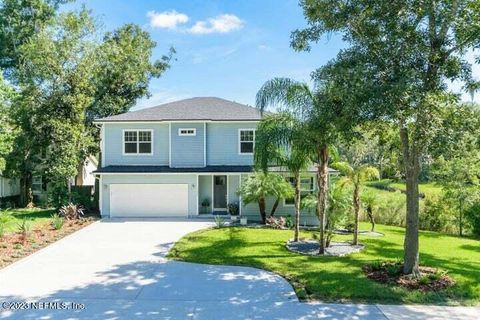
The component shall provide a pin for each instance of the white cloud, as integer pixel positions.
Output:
(166, 19)
(221, 24)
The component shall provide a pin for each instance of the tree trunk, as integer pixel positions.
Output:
(356, 207)
(262, 206)
(275, 206)
(297, 206)
(26, 197)
(460, 219)
(322, 181)
(371, 217)
(412, 168)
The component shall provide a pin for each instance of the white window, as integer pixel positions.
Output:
(137, 142)
(246, 143)
(187, 132)
(306, 187)
(39, 184)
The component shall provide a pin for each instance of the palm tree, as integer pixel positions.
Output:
(311, 107)
(279, 141)
(369, 202)
(259, 185)
(356, 175)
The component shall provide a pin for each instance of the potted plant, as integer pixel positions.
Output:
(243, 221)
(233, 209)
(205, 205)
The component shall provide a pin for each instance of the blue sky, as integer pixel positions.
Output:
(224, 48)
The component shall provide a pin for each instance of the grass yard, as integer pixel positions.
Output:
(13, 217)
(340, 278)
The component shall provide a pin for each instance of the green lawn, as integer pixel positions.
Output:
(13, 217)
(340, 278)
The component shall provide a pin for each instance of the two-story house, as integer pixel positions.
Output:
(169, 160)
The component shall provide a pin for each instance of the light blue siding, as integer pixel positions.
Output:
(187, 151)
(233, 185)
(114, 145)
(189, 179)
(222, 144)
(251, 211)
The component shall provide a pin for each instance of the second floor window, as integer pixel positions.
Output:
(246, 141)
(137, 142)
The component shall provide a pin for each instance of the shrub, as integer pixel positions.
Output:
(233, 208)
(57, 222)
(437, 215)
(71, 211)
(276, 223)
(25, 227)
(2, 230)
(219, 222)
(58, 195)
(472, 215)
(82, 195)
(289, 222)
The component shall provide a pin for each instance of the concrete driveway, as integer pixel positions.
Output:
(116, 269)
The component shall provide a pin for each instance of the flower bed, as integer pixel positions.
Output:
(430, 279)
(14, 246)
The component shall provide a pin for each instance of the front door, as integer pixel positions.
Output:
(219, 192)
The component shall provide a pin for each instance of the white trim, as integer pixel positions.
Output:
(197, 196)
(173, 173)
(239, 142)
(169, 144)
(227, 193)
(138, 142)
(240, 196)
(176, 121)
(100, 194)
(187, 134)
(102, 144)
(204, 144)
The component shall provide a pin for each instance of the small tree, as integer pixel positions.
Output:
(316, 108)
(369, 202)
(280, 141)
(338, 206)
(356, 176)
(259, 185)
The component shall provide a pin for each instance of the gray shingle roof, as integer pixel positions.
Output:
(200, 108)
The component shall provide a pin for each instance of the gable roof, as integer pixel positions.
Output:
(199, 108)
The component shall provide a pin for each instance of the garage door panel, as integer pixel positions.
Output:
(148, 200)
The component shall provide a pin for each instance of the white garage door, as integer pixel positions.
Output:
(148, 200)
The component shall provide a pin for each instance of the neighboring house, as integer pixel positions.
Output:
(9, 187)
(166, 160)
(85, 177)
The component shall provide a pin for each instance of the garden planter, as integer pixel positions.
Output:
(243, 221)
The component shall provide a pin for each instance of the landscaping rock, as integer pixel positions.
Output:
(311, 247)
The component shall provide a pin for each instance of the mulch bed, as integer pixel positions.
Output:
(311, 247)
(14, 246)
(431, 279)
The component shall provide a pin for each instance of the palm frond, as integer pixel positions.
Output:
(344, 167)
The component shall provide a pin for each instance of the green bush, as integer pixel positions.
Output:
(25, 227)
(219, 222)
(472, 215)
(58, 195)
(83, 196)
(57, 222)
(437, 215)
